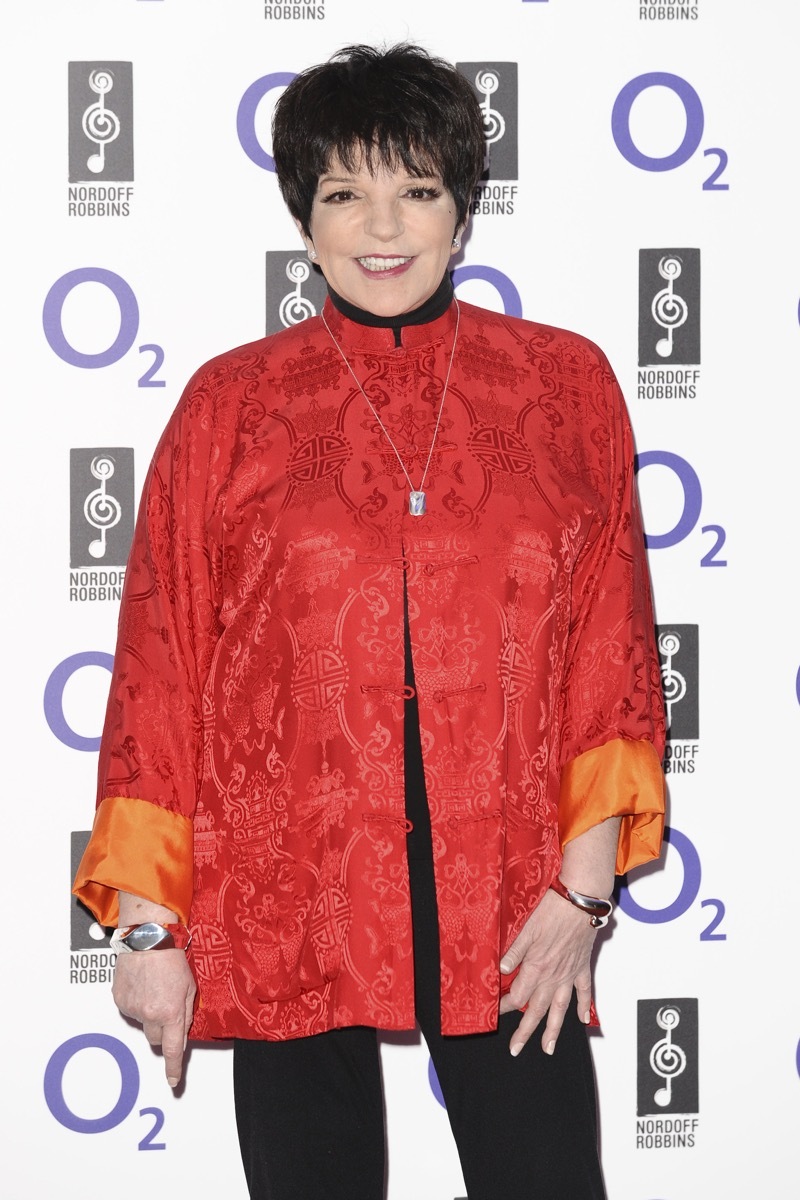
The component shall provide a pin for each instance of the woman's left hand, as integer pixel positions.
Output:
(553, 951)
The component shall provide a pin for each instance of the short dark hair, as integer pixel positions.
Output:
(395, 106)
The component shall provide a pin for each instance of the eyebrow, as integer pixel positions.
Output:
(351, 179)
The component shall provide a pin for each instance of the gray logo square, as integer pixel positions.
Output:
(679, 651)
(496, 87)
(669, 307)
(667, 1074)
(101, 506)
(295, 289)
(100, 122)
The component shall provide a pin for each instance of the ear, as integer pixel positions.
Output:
(308, 242)
(458, 236)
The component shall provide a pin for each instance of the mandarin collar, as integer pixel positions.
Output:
(354, 334)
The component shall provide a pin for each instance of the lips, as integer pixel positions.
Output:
(382, 264)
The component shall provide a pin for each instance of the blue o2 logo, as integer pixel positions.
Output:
(692, 504)
(687, 894)
(246, 116)
(695, 124)
(54, 697)
(512, 302)
(119, 292)
(56, 1101)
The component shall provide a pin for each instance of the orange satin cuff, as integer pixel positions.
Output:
(620, 779)
(139, 848)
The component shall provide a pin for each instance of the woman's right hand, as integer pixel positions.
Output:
(155, 987)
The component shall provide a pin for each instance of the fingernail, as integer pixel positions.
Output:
(587, 1016)
(550, 1048)
(172, 1081)
(505, 965)
(516, 1049)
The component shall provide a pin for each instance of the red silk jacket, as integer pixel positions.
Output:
(251, 772)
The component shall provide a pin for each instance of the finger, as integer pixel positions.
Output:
(555, 1019)
(583, 991)
(172, 1047)
(516, 951)
(522, 1034)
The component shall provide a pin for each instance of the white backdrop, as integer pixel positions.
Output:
(714, 929)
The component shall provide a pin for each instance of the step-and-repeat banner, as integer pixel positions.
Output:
(643, 190)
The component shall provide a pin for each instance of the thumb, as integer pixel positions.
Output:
(514, 954)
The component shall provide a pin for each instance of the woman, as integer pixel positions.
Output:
(385, 712)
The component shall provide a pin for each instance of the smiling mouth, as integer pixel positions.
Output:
(382, 264)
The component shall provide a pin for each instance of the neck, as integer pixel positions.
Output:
(432, 308)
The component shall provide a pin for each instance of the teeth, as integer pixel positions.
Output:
(382, 264)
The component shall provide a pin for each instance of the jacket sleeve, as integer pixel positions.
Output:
(151, 756)
(612, 712)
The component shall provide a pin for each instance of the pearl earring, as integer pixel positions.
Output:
(312, 254)
(456, 243)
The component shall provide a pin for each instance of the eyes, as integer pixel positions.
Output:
(418, 192)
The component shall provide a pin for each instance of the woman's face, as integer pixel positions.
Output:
(383, 241)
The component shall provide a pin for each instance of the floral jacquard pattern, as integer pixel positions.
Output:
(258, 691)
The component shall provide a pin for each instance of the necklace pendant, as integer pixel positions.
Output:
(416, 504)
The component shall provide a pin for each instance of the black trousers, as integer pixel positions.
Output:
(310, 1112)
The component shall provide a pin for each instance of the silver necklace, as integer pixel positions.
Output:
(417, 505)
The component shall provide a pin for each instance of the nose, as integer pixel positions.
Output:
(384, 220)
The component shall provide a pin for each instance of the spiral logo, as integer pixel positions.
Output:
(672, 681)
(667, 1059)
(669, 644)
(494, 126)
(100, 124)
(669, 309)
(295, 307)
(101, 82)
(668, 1017)
(101, 510)
(487, 82)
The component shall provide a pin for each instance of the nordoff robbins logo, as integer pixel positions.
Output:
(667, 1076)
(495, 85)
(669, 307)
(101, 506)
(295, 289)
(100, 121)
(678, 648)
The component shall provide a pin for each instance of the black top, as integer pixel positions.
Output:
(435, 306)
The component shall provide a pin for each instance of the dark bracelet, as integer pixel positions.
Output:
(597, 910)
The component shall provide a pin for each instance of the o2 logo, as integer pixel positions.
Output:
(54, 697)
(512, 302)
(695, 123)
(690, 512)
(122, 293)
(688, 893)
(128, 1090)
(246, 117)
